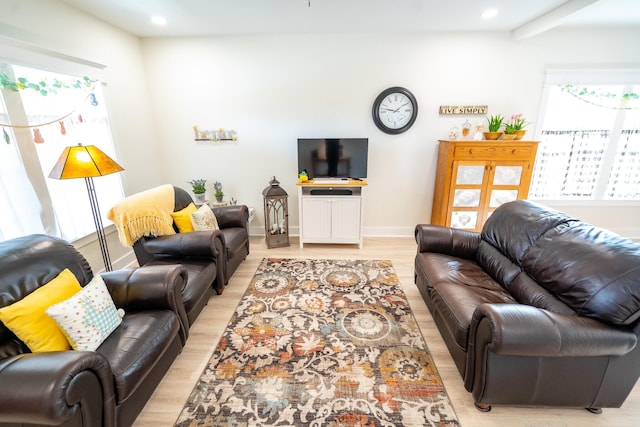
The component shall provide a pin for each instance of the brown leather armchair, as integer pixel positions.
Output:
(210, 257)
(538, 309)
(109, 386)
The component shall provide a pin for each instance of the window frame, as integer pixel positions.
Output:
(20, 54)
(586, 75)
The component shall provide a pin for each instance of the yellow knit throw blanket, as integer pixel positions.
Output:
(144, 214)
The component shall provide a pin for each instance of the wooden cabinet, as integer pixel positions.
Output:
(473, 178)
(331, 213)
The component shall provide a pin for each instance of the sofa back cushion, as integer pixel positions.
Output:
(499, 266)
(26, 264)
(527, 291)
(590, 271)
(595, 272)
(515, 226)
(182, 199)
(508, 235)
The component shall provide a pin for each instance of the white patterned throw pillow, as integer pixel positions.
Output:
(88, 317)
(204, 219)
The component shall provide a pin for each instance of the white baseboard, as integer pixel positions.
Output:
(630, 233)
(368, 231)
(126, 261)
(388, 231)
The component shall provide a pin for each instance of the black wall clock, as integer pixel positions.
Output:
(395, 110)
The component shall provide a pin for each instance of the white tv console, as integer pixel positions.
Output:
(331, 213)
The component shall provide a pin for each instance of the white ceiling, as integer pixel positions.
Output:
(215, 17)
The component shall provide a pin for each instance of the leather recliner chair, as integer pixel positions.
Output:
(107, 387)
(210, 257)
(538, 309)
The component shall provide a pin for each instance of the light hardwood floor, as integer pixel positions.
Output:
(165, 405)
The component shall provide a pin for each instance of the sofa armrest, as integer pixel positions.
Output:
(54, 387)
(198, 244)
(522, 330)
(153, 287)
(232, 216)
(447, 240)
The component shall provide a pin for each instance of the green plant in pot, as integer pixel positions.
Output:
(217, 187)
(495, 123)
(509, 129)
(198, 188)
(516, 125)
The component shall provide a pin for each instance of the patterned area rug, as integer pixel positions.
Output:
(321, 343)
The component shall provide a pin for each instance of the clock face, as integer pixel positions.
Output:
(395, 110)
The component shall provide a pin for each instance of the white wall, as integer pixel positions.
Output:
(274, 89)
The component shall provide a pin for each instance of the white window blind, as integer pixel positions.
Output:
(590, 137)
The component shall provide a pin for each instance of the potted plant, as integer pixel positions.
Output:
(517, 123)
(217, 187)
(509, 130)
(199, 189)
(495, 123)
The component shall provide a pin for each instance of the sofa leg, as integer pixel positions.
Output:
(482, 407)
(594, 410)
(219, 291)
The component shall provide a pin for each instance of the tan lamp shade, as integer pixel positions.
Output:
(83, 162)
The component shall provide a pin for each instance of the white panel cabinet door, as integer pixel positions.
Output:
(345, 214)
(316, 219)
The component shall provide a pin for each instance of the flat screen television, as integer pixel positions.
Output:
(333, 157)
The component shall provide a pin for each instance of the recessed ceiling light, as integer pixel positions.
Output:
(489, 13)
(158, 20)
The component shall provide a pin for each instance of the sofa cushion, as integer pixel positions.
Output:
(136, 345)
(201, 274)
(593, 271)
(515, 226)
(44, 258)
(182, 218)
(28, 320)
(88, 317)
(181, 198)
(461, 286)
(439, 268)
(500, 267)
(526, 291)
(204, 219)
(234, 239)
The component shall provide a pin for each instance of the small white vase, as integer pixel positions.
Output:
(199, 197)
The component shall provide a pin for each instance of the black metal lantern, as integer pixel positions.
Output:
(276, 215)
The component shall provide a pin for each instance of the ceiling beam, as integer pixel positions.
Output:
(550, 19)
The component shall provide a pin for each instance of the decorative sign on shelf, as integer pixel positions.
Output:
(467, 110)
(214, 135)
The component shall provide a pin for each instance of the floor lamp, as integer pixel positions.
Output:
(86, 162)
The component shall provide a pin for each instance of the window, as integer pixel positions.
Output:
(47, 113)
(589, 140)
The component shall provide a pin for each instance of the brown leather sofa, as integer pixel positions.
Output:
(538, 309)
(109, 386)
(226, 248)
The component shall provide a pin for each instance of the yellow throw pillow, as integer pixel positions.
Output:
(183, 218)
(29, 322)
